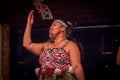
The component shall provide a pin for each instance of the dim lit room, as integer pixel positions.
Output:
(93, 39)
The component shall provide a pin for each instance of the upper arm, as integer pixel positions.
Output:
(75, 57)
(74, 53)
(36, 48)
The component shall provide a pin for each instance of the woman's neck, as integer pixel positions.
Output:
(59, 39)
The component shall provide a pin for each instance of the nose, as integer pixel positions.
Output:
(51, 27)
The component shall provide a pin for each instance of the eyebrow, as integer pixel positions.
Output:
(55, 23)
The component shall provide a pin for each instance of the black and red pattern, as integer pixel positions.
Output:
(55, 58)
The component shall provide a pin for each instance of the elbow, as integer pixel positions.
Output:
(26, 45)
(76, 67)
(78, 71)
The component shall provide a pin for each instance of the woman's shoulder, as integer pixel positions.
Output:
(47, 44)
(72, 43)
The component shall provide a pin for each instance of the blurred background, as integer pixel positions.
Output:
(96, 29)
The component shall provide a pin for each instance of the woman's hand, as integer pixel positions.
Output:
(30, 19)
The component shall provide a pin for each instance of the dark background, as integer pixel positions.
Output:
(96, 30)
(80, 12)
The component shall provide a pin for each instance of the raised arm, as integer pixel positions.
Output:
(35, 48)
(75, 57)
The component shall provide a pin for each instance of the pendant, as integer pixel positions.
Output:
(51, 50)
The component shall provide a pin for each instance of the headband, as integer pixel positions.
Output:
(61, 22)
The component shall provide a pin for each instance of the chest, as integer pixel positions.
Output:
(56, 57)
(57, 53)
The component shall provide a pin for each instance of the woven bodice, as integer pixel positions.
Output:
(55, 58)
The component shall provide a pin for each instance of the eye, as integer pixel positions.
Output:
(54, 24)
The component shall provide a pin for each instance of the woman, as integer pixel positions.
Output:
(60, 58)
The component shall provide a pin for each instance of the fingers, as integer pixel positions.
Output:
(30, 17)
(31, 14)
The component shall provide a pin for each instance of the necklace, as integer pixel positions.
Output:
(56, 44)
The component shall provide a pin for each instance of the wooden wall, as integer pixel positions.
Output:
(0, 52)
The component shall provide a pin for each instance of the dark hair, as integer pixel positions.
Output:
(69, 29)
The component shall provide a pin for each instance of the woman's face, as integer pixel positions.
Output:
(54, 29)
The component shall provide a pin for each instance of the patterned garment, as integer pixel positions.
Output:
(56, 59)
